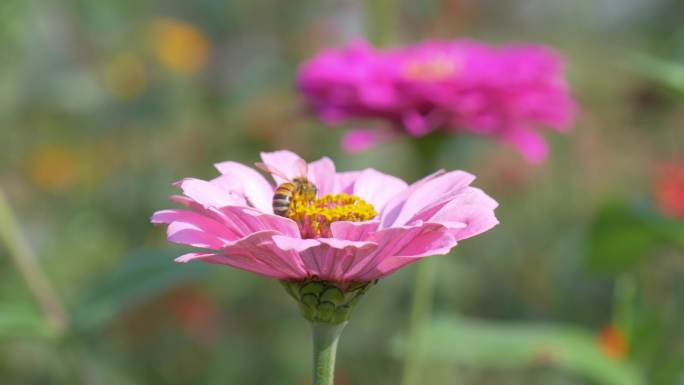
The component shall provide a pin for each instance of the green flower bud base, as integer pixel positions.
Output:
(324, 301)
(328, 307)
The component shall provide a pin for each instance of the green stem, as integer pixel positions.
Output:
(421, 309)
(427, 149)
(381, 20)
(325, 338)
(624, 300)
(28, 266)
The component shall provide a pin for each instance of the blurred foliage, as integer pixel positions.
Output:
(103, 104)
(665, 73)
(621, 236)
(487, 344)
(145, 275)
(21, 321)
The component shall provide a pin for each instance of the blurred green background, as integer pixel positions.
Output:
(104, 103)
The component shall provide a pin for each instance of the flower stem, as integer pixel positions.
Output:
(381, 21)
(30, 269)
(325, 338)
(427, 150)
(421, 309)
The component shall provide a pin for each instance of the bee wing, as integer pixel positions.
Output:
(266, 168)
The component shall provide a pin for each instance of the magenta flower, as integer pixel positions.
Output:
(362, 226)
(458, 86)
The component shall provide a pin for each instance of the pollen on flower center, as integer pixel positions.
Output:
(430, 69)
(314, 217)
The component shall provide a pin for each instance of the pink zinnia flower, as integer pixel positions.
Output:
(454, 86)
(360, 227)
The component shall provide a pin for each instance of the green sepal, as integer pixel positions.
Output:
(325, 301)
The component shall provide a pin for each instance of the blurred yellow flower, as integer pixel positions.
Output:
(179, 46)
(125, 76)
(53, 167)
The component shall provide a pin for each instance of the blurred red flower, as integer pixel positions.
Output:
(196, 312)
(669, 189)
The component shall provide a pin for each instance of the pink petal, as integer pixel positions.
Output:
(299, 245)
(416, 124)
(359, 140)
(254, 187)
(530, 143)
(422, 195)
(345, 181)
(209, 194)
(187, 202)
(327, 258)
(185, 258)
(414, 242)
(353, 231)
(196, 220)
(286, 162)
(377, 188)
(236, 262)
(185, 233)
(322, 174)
(245, 221)
(473, 208)
(392, 264)
(259, 254)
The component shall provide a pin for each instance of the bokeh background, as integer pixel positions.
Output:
(104, 103)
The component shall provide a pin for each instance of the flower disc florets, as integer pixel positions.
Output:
(315, 216)
(435, 68)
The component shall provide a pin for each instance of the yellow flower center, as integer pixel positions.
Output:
(431, 69)
(315, 216)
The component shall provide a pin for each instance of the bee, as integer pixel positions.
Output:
(298, 186)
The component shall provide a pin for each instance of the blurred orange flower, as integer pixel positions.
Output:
(613, 342)
(125, 76)
(179, 46)
(669, 189)
(196, 312)
(53, 167)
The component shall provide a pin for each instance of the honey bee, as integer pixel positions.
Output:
(299, 187)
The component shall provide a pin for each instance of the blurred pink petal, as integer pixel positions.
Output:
(529, 143)
(360, 140)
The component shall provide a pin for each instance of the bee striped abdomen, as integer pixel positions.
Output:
(282, 198)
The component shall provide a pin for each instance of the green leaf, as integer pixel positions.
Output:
(22, 321)
(502, 345)
(145, 274)
(666, 73)
(619, 238)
